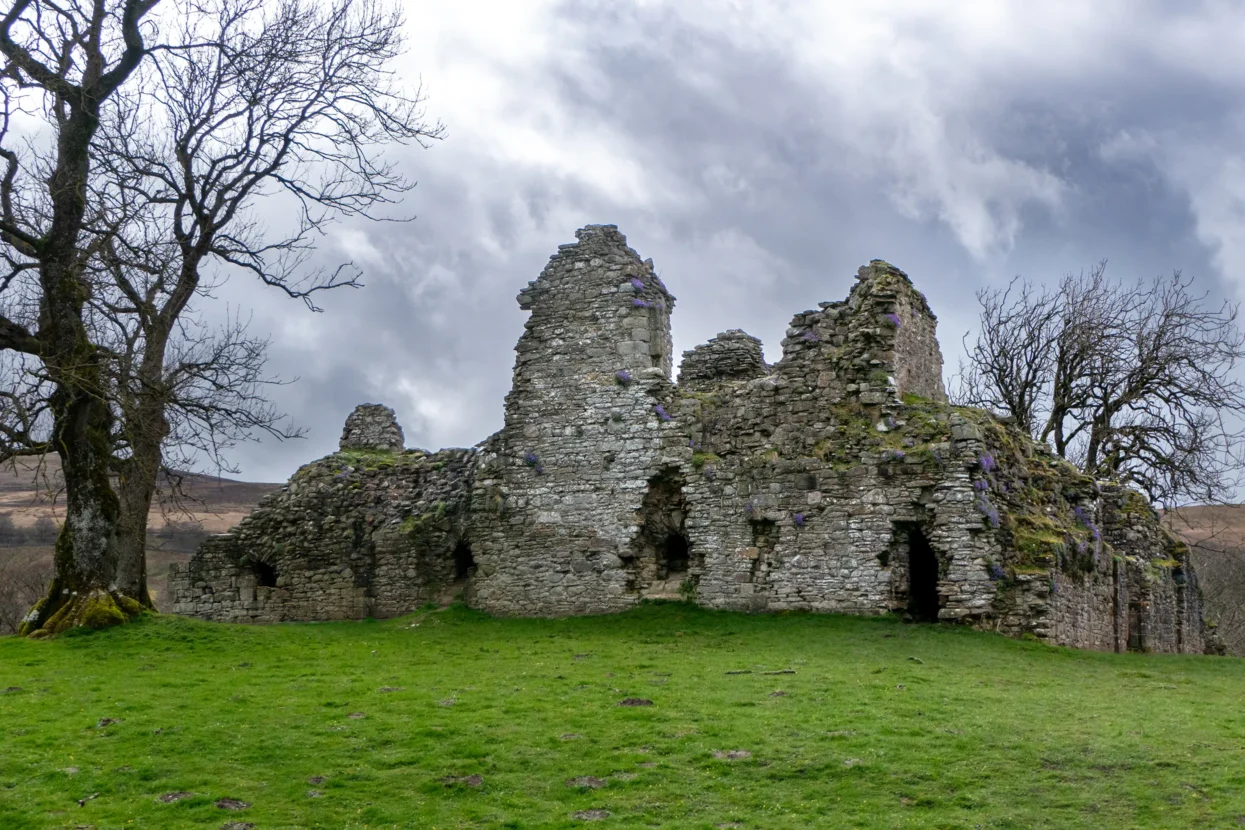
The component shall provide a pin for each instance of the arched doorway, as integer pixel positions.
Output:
(464, 562)
(265, 575)
(923, 598)
(915, 571)
(662, 557)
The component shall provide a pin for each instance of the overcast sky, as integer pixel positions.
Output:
(760, 152)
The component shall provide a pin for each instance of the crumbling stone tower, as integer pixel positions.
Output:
(558, 488)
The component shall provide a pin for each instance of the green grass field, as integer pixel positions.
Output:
(453, 719)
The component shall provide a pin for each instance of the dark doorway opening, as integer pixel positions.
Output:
(265, 575)
(661, 551)
(464, 562)
(676, 554)
(922, 578)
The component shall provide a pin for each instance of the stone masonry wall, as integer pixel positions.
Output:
(558, 488)
(372, 426)
(732, 355)
(837, 480)
(353, 535)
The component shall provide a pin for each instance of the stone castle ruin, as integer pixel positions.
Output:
(837, 480)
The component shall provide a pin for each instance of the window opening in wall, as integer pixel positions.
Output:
(764, 539)
(265, 575)
(923, 600)
(656, 340)
(661, 553)
(676, 553)
(464, 562)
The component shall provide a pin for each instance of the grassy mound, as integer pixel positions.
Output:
(452, 719)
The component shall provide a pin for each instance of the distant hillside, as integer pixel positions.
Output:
(32, 509)
(31, 488)
(1217, 535)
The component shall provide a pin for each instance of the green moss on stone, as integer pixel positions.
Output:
(130, 606)
(700, 459)
(100, 610)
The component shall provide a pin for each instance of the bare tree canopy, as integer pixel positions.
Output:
(1133, 382)
(228, 104)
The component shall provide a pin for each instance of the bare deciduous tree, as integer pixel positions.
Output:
(241, 101)
(1132, 382)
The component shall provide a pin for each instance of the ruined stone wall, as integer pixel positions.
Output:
(372, 426)
(732, 355)
(356, 534)
(837, 480)
(1158, 600)
(558, 489)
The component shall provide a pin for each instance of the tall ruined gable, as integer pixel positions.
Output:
(585, 429)
(874, 347)
(839, 479)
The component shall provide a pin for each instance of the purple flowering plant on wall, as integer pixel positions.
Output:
(798, 518)
(638, 303)
(637, 283)
(533, 461)
(661, 412)
(1083, 517)
(623, 377)
(893, 319)
(988, 510)
(987, 462)
(996, 572)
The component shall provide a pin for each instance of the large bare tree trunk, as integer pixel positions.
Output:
(83, 592)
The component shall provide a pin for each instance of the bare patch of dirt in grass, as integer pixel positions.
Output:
(585, 782)
(232, 804)
(467, 780)
(169, 798)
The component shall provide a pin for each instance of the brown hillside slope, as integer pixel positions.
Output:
(30, 488)
(30, 498)
(1217, 536)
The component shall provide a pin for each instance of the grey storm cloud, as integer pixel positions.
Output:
(759, 156)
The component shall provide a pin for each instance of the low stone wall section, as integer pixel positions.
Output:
(356, 534)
